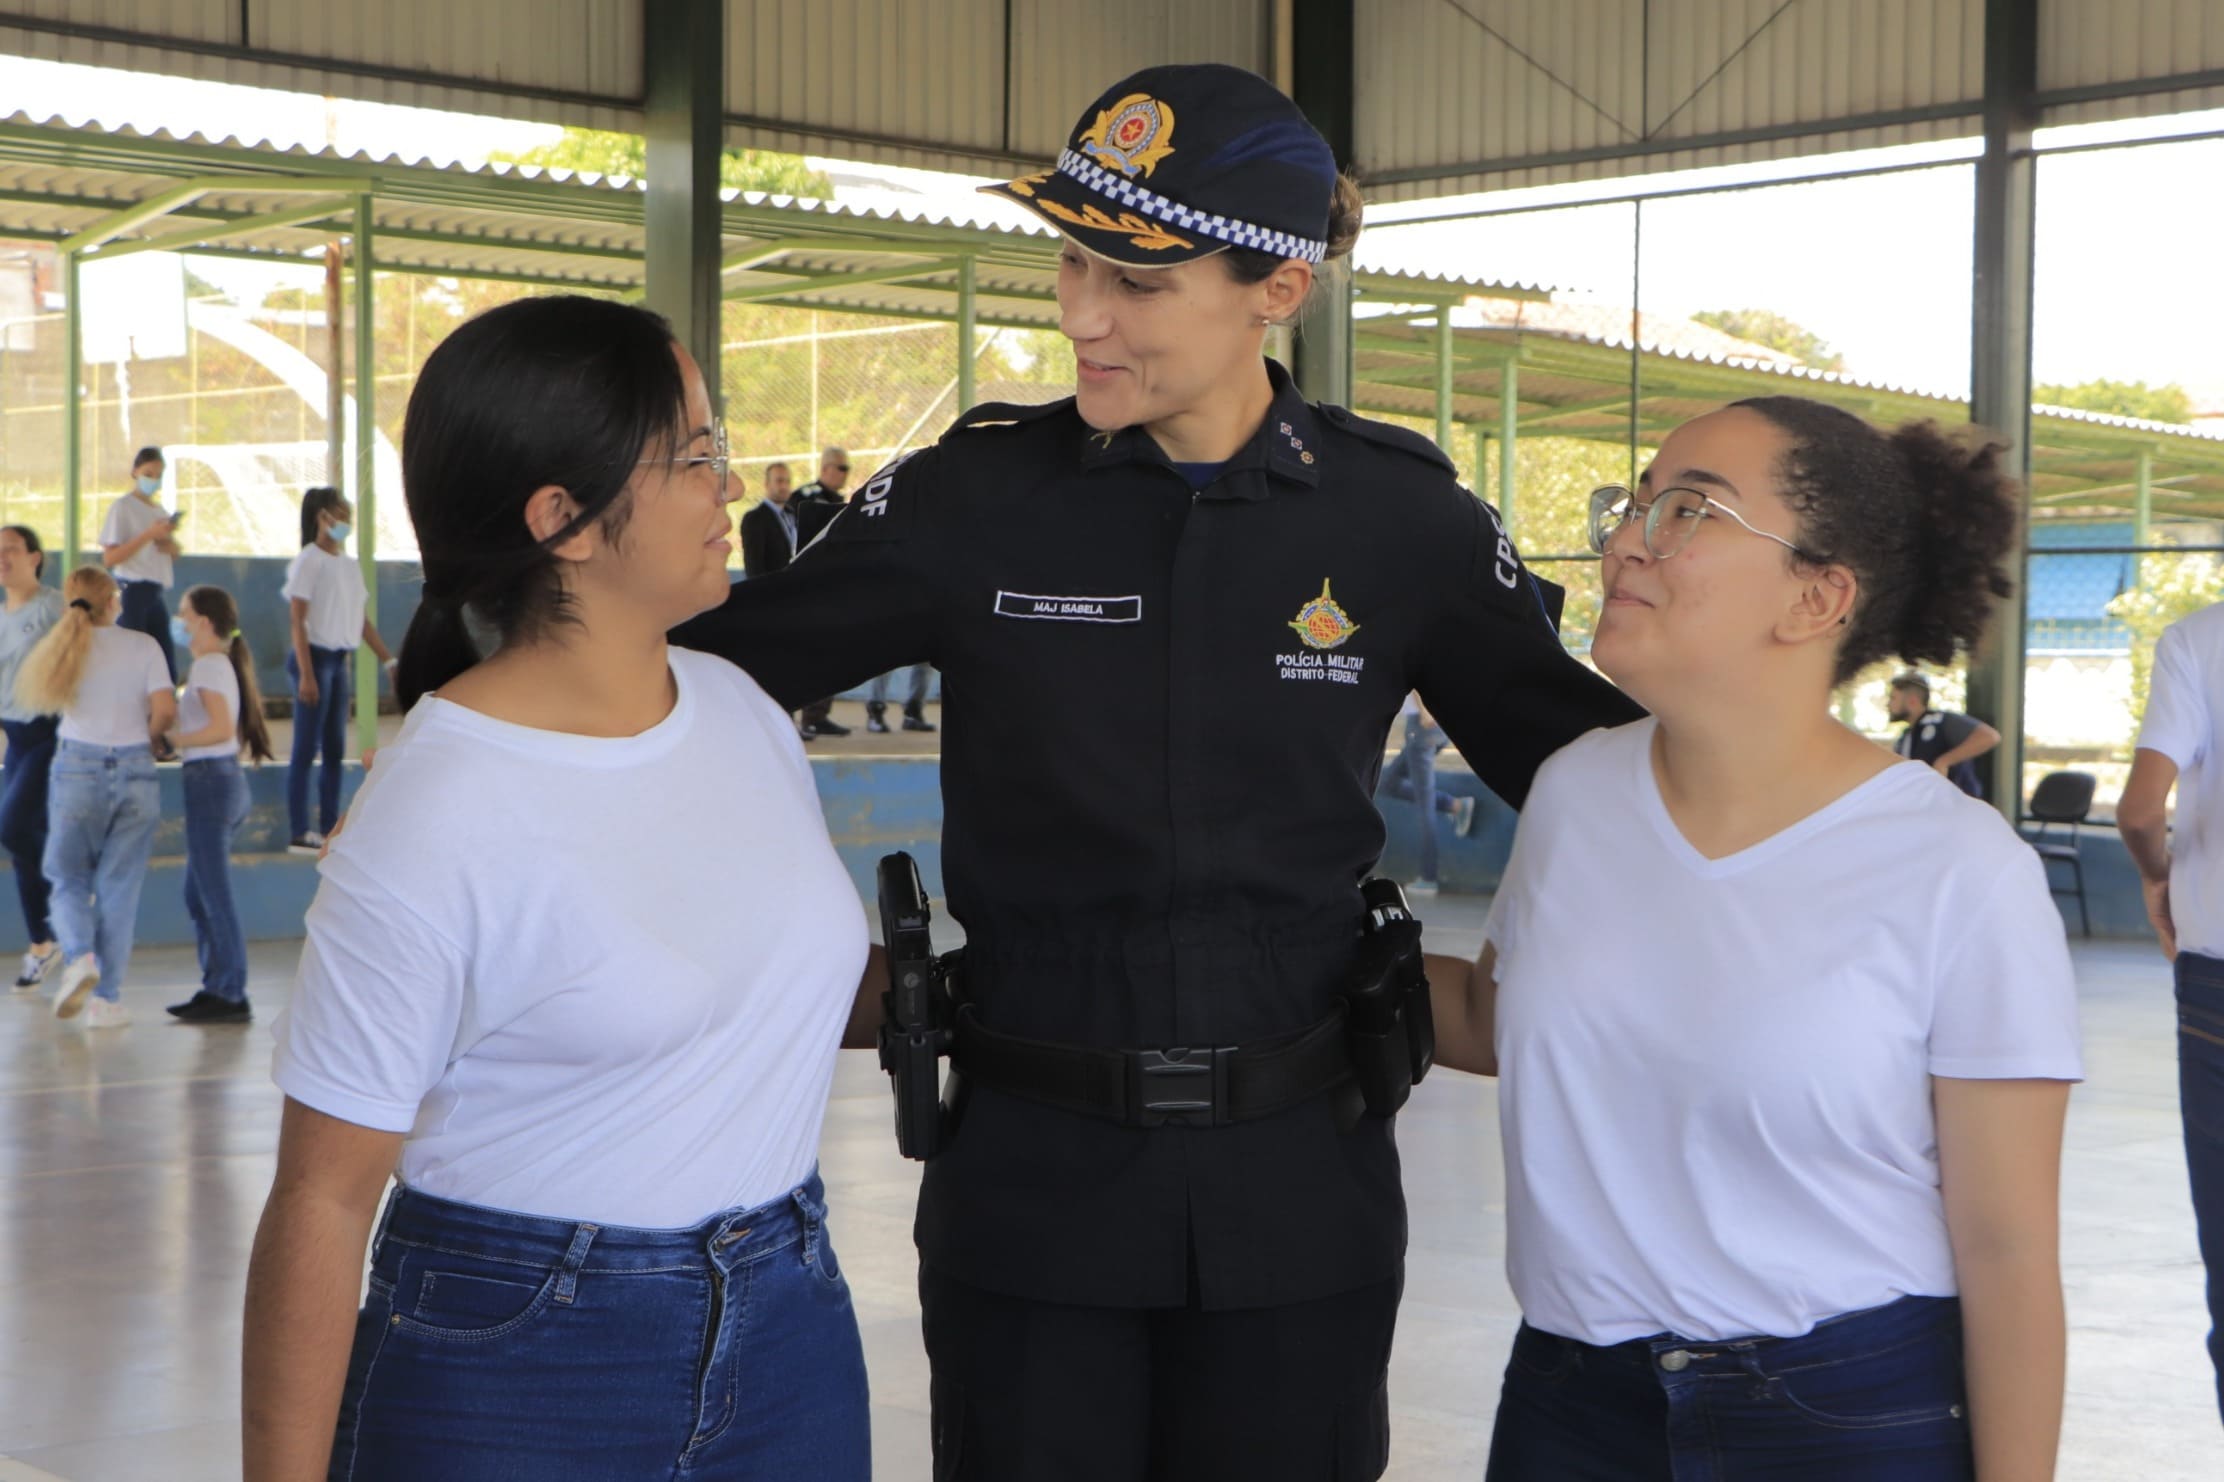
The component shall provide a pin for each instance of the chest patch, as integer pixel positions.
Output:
(1070, 609)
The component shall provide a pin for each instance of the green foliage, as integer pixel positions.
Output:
(2169, 403)
(1767, 327)
(606, 153)
(2170, 587)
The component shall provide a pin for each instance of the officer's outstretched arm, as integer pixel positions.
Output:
(857, 602)
(1493, 672)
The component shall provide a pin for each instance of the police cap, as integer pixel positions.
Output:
(1177, 163)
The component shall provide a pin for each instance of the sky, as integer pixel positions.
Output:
(1878, 265)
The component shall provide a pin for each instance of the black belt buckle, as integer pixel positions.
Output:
(1182, 1085)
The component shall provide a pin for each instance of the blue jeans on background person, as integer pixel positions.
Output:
(493, 1343)
(1411, 778)
(103, 806)
(215, 807)
(23, 811)
(876, 697)
(319, 726)
(145, 611)
(2200, 985)
(1863, 1397)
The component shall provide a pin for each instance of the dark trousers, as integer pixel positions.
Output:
(322, 726)
(144, 611)
(1026, 1391)
(2201, 1103)
(1864, 1397)
(818, 712)
(23, 816)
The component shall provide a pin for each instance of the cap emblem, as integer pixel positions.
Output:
(1132, 135)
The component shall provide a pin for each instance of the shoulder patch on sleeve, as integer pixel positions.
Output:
(992, 415)
(1388, 435)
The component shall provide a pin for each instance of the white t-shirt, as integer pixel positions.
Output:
(1715, 1076)
(333, 588)
(126, 518)
(212, 672)
(591, 979)
(2188, 669)
(111, 709)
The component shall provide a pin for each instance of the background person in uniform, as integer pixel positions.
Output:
(1943, 740)
(1411, 778)
(768, 531)
(138, 545)
(2183, 879)
(1784, 1026)
(607, 1255)
(1170, 674)
(109, 685)
(220, 713)
(816, 505)
(325, 602)
(32, 609)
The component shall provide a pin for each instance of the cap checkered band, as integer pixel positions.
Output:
(1117, 187)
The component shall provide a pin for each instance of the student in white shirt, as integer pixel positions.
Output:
(2183, 877)
(112, 690)
(220, 715)
(31, 610)
(139, 546)
(325, 599)
(1783, 1024)
(531, 992)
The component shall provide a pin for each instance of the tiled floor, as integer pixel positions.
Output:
(133, 1166)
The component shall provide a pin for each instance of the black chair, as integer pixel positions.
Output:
(2063, 798)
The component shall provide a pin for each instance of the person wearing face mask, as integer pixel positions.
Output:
(219, 715)
(326, 598)
(1177, 613)
(32, 609)
(1784, 1025)
(139, 546)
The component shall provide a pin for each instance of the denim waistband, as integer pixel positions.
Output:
(731, 1238)
(1876, 1330)
(87, 751)
(212, 761)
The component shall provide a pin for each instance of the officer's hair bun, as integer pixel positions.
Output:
(1924, 517)
(1344, 215)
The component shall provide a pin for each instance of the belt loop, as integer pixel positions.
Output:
(567, 1279)
(812, 1215)
(385, 1218)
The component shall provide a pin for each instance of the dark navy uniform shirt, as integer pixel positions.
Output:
(1936, 732)
(1164, 716)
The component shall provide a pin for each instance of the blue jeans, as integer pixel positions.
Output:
(1863, 1397)
(494, 1344)
(2201, 1103)
(1411, 778)
(102, 813)
(916, 704)
(215, 807)
(144, 611)
(23, 787)
(322, 724)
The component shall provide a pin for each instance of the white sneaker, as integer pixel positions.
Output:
(1421, 888)
(106, 1013)
(310, 844)
(79, 978)
(36, 965)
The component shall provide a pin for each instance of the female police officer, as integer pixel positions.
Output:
(1176, 614)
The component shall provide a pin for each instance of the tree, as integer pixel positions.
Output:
(2170, 587)
(605, 153)
(2168, 403)
(1767, 327)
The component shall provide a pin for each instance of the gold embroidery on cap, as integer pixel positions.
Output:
(1133, 134)
(1141, 230)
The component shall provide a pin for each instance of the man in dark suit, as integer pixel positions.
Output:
(769, 538)
(816, 504)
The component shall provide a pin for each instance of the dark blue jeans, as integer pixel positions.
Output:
(1411, 777)
(144, 611)
(23, 816)
(215, 807)
(319, 726)
(1863, 1397)
(2201, 1103)
(494, 1344)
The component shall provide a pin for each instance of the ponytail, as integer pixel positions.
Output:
(222, 611)
(55, 667)
(437, 648)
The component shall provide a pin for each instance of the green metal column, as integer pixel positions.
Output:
(1509, 436)
(966, 349)
(366, 482)
(73, 415)
(1482, 454)
(683, 68)
(2143, 510)
(1444, 379)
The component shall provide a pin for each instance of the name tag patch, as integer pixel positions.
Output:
(1070, 609)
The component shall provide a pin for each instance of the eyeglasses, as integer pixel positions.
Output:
(1672, 518)
(718, 457)
(841, 468)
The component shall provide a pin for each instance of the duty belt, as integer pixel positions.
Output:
(1202, 1086)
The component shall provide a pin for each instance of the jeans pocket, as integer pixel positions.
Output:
(1910, 1385)
(1541, 1357)
(458, 1299)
